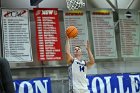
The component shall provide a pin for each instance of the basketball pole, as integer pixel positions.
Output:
(42, 69)
(42, 63)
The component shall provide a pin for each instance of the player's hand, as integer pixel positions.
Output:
(88, 45)
(67, 38)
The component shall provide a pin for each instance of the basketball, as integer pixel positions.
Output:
(71, 32)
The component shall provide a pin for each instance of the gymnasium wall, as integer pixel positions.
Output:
(58, 70)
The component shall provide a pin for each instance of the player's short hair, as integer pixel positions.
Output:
(78, 47)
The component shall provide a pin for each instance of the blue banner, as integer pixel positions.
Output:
(37, 85)
(114, 83)
(109, 83)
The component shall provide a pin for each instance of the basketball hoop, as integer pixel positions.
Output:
(74, 4)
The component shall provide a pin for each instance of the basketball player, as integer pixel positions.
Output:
(78, 68)
(6, 81)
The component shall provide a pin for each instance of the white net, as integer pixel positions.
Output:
(74, 4)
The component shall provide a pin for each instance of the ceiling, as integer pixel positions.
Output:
(61, 4)
(120, 4)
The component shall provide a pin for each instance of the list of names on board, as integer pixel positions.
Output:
(48, 34)
(103, 34)
(77, 19)
(17, 44)
(129, 33)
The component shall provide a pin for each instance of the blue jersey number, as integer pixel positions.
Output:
(82, 68)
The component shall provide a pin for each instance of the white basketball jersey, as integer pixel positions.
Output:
(77, 75)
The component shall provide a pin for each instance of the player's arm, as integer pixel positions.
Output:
(69, 57)
(90, 55)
